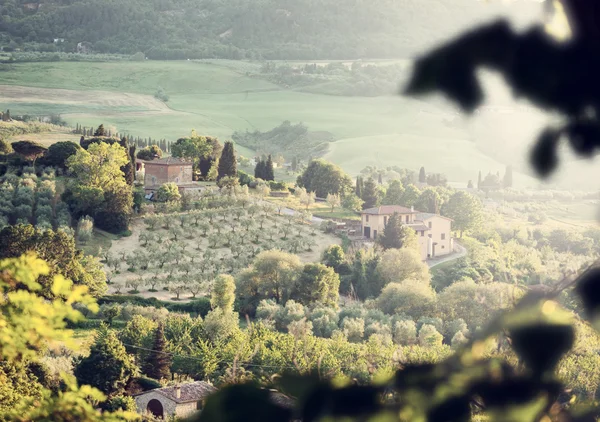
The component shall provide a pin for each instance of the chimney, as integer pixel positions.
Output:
(412, 208)
(178, 391)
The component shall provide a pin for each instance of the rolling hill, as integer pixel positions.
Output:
(234, 29)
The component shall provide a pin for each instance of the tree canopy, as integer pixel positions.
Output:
(323, 178)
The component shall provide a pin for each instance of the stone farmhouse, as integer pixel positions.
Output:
(167, 170)
(180, 401)
(434, 232)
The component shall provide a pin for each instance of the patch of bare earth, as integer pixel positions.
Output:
(22, 94)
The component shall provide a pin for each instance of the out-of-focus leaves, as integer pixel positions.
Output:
(357, 401)
(544, 156)
(423, 376)
(451, 68)
(557, 76)
(244, 402)
(588, 288)
(584, 137)
(455, 409)
(540, 346)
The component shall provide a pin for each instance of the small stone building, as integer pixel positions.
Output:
(181, 400)
(167, 170)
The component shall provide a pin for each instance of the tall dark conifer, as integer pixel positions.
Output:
(227, 162)
(358, 189)
(259, 170)
(422, 175)
(158, 362)
(370, 194)
(269, 172)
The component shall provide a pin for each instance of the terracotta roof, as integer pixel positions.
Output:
(418, 226)
(427, 215)
(166, 161)
(389, 210)
(191, 392)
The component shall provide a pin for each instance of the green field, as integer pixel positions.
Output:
(218, 98)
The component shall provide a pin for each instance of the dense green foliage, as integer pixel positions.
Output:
(324, 178)
(29, 322)
(274, 29)
(108, 367)
(99, 187)
(58, 249)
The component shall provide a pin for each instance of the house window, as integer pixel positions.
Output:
(443, 236)
(367, 218)
(443, 247)
(385, 220)
(422, 233)
(430, 236)
(407, 217)
(429, 224)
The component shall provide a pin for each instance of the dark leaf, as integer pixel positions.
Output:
(544, 156)
(317, 404)
(456, 409)
(584, 137)
(541, 346)
(588, 288)
(421, 376)
(355, 401)
(246, 403)
(513, 391)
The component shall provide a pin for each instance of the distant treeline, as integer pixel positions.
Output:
(242, 29)
(139, 142)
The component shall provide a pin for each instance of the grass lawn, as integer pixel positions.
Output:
(100, 240)
(318, 209)
(219, 98)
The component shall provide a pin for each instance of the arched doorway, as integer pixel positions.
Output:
(156, 408)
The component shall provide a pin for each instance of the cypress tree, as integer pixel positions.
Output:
(100, 131)
(158, 362)
(479, 181)
(294, 163)
(369, 194)
(422, 175)
(227, 163)
(358, 190)
(269, 172)
(396, 235)
(259, 170)
(380, 179)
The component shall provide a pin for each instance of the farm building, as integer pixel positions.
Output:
(167, 170)
(181, 401)
(434, 232)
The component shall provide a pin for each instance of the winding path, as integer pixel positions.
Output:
(461, 252)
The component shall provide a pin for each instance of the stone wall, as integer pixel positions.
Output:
(169, 406)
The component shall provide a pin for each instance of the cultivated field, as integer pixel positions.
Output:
(219, 97)
(176, 255)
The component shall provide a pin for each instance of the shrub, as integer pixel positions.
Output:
(23, 212)
(292, 311)
(354, 329)
(168, 192)
(429, 336)
(43, 212)
(85, 228)
(405, 332)
(325, 321)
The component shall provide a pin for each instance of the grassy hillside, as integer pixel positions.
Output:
(219, 99)
(281, 29)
